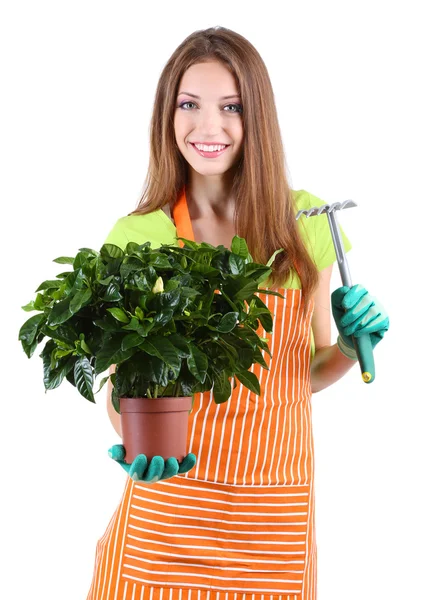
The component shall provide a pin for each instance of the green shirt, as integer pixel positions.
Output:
(157, 228)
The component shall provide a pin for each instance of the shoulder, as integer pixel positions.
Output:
(305, 200)
(154, 227)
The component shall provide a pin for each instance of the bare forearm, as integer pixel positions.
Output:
(328, 366)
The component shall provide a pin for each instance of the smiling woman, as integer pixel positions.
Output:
(241, 520)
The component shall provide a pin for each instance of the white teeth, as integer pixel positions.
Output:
(209, 148)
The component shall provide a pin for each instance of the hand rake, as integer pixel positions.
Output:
(362, 344)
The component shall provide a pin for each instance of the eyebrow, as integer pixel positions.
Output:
(198, 97)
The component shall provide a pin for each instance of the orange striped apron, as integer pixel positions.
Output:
(240, 524)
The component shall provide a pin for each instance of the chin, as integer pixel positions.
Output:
(210, 169)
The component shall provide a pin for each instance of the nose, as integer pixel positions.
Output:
(209, 122)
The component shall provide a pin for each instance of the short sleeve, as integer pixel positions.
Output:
(316, 231)
(117, 235)
(150, 227)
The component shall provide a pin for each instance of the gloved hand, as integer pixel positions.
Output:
(355, 313)
(158, 469)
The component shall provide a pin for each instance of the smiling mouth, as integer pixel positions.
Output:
(207, 154)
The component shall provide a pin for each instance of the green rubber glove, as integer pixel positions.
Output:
(158, 469)
(356, 313)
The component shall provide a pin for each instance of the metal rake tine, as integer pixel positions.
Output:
(326, 208)
(341, 205)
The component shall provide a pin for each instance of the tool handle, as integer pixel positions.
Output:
(362, 344)
(364, 351)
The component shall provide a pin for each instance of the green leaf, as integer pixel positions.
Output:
(172, 284)
(181, 344)
(84, 378)
(169, 299)
(41, 301)
(28, 307)
(272, 258)
(249, 380)
(105, 281)
(259, 359)
(29, 329)
(160, 261)
(29, 349)
(228, 322)
(80, 299)
(247, 334)
(271, 293)
(49, 284)
(56, 377)
(119, 314)
(134, 325)
(159, 371)
(163, 317)
(58, 294)
(60, 312)
(115, 400)
(239, 246)
(164, 349)
(222, 388)
(89, 251)
(82, 260)
(197, 363)
(64, 260)
(145, 326)
(111, 252)
(204, 269)
(189, 292)
(61, 353)
(142, 283)
(62, 333)
(112, 293)
(245, 291)
(134, 248)
(139, 313)
(188, 243)
(257, 271)
(266, 321)
(246, 357)
(85, 346)
(237, 264)
(102, 383)
(107, 323)
(131, 340)
(111, 353)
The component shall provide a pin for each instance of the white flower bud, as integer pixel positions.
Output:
(159, 286)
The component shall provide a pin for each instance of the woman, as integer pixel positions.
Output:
(237, 516)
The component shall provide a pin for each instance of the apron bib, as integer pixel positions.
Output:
(240, 524)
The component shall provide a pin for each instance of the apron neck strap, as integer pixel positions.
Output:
(182, 219)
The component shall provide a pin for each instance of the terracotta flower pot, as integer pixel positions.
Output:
(155, 426)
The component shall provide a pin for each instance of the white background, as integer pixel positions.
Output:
(78, 81)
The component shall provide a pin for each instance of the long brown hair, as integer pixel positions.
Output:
(265, 209)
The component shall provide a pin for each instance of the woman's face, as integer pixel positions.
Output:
(203, 115)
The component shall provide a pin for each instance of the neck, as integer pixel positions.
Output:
(209, 197)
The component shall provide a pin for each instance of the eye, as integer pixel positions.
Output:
(183, 103)
(238, 107)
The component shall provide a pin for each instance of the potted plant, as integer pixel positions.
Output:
(174, 320)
